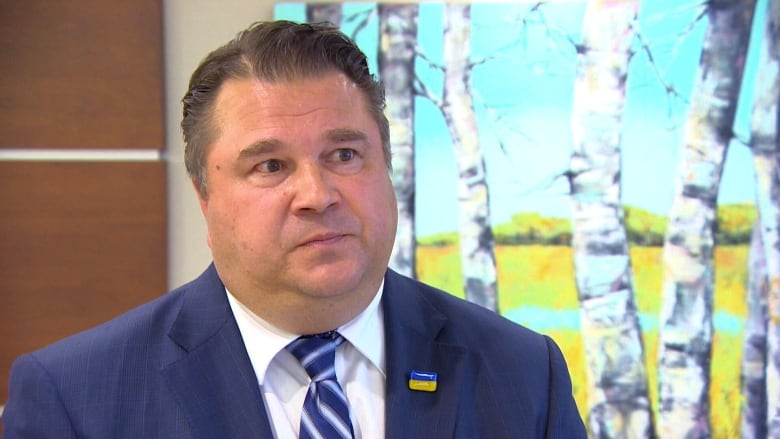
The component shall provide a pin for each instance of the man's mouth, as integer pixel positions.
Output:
(323, 239)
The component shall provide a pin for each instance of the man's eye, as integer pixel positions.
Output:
(345, 155)
(270, 166)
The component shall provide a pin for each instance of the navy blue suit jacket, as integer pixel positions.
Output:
(177, 368)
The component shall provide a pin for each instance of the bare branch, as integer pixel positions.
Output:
(496, 125)
(420, 89)
(421, 54)
(672, 93)
(670, 89)
(362, 18)
(545, 184)
(555, 33)
(533, 15)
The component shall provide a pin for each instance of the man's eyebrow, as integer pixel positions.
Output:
(265, 146)
(345, 135)
(262, 146)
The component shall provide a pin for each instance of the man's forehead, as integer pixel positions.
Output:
(289, 95)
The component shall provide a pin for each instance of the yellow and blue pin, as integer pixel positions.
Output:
(423, 381)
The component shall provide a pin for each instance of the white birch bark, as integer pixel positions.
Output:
(685, 339)
(753, 423)
(477, 245)
(398, 39)
(618, 399)
(765, 143)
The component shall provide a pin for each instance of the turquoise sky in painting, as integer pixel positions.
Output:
(523, 98)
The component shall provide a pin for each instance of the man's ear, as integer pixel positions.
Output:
(202, 198)
(204, 207)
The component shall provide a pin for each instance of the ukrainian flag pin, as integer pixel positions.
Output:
(423, 381)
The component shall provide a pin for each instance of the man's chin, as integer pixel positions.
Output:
(332, 280)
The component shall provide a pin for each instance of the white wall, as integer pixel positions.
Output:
(192, 28)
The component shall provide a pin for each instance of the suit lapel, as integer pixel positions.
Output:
(215, 384)
(213, 380)
(412, 330)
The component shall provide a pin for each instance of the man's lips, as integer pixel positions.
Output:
(323, 239)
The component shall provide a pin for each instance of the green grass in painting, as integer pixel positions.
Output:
(543, 276)
(440, 266)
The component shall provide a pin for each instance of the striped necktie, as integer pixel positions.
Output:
(325, 409)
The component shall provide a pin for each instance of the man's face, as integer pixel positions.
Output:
(300, 206)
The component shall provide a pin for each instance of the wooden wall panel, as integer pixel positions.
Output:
(79, 243)
(81, 74)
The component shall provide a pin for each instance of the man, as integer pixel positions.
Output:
(288, 149)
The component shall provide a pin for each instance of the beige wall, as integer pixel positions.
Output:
(191, 29)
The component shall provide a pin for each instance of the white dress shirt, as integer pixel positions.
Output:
(360, 369)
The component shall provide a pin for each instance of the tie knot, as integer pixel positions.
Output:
(317, 354)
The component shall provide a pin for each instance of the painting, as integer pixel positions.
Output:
(604, 172)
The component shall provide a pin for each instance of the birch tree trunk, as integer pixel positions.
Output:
(618, 399)
(685, 338)
(477, 246)
(766, 155)
(324, 13)
(754, 421)
(398, 39)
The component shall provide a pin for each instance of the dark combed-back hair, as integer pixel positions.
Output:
(273, 51)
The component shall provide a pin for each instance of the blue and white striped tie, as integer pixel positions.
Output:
(325, 409)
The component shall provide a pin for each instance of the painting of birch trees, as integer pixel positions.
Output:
(685, 348)
(618, 399)
(606, 172)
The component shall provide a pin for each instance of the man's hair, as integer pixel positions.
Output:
(273, 51)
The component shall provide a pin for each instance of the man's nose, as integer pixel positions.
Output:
(314, 189)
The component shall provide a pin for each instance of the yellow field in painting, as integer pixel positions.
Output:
(543, 277)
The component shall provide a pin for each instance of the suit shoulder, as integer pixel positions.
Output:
(144, 322)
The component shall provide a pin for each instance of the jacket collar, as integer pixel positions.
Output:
(214, 382)
(414, 330)
(213, 379)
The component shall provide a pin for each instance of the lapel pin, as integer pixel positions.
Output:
(423, 381)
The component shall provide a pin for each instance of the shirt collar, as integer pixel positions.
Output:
(263, 340)
(366, 332)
